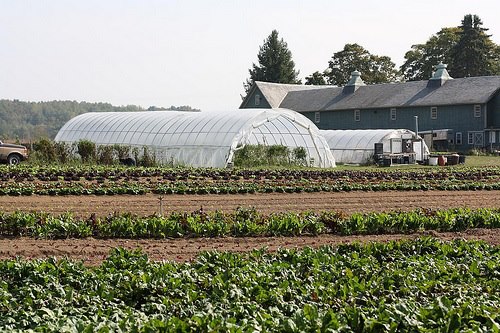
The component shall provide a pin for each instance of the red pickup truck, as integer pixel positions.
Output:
(12, 154)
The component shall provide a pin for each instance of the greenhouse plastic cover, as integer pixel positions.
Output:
(200, 139)
(358, 146)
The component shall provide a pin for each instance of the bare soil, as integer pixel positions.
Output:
(93, 251)
(349, 202)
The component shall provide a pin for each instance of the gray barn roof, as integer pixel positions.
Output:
(471, 90)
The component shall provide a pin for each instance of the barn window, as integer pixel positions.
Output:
(393, 114)
(357, 115)
(475, 138)
(470, 138)
(458, 138)
(257, 99)
(434, 112)
(316, 117)
(477, 111)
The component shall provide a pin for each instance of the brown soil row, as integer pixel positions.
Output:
(348, 202)
(93, 251)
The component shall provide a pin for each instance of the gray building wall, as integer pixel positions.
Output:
(494, 112)
(493, 122)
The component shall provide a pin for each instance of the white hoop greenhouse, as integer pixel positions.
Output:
(200, 139)
(358, 146)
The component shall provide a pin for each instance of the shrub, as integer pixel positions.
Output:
(87, 150)
(273, 155)
(44, 151)
(300, 156)
(63, 151)
(105, 155)
(122, 151)
(148, 158)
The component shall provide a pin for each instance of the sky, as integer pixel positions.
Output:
(197, 52)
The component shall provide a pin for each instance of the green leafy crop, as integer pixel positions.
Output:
(422, 285)
(243, 222)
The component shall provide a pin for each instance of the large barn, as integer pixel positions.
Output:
(455, 114)
(200, 139)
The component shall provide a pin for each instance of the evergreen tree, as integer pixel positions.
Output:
(275, 63)
(474, 54)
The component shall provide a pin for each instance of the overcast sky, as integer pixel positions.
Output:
(197, 52)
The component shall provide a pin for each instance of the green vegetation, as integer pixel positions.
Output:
(466, 49)
(275, 63)
(45, 151)
(483, 161)
(474, 54)
(252, 156)
(243, 223)
(374, 69)
(110, 180)
(84, 151)
(31, 121)
(422, 285)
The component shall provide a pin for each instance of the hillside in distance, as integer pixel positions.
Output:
(31, 121)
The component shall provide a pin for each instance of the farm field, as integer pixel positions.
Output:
(349, 202)
(95, 250)
(99, 191)
(340, 251)
(420, 285)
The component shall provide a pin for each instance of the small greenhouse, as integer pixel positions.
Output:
(200, 139)
(359, 146)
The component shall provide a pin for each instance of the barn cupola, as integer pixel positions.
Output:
(354, 83)
(439, 77)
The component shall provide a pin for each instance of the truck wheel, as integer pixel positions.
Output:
(14, 159)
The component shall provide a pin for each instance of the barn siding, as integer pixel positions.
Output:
(494, 112)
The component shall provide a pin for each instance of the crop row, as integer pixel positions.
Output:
(243, 222)
(422, 285)
(56, 173)
(160, 188)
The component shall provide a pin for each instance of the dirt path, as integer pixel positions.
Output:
(348, 202)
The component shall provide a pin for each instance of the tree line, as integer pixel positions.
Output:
(467, 50)
(30, 121)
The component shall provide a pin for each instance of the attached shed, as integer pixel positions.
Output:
(358, 146)
(200, 139)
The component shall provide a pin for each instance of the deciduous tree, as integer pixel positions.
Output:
(467, 50)
(373, 68)
(422, 58)
(315, 78)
